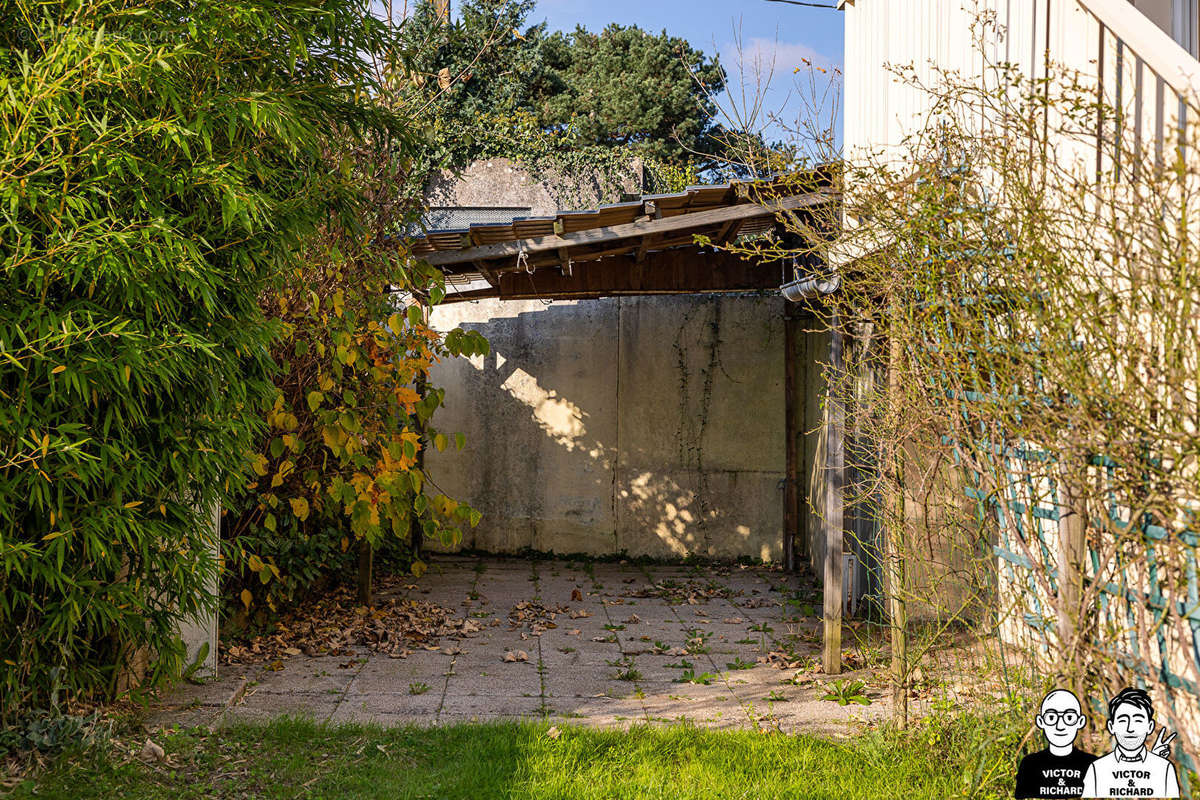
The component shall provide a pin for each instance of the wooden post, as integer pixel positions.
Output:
(795, 539)
(894, 557)
(366, 558)
(1072, 551)
(835, 468)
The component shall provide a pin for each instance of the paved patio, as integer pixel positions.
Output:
(603, 644)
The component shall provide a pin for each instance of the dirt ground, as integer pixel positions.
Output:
(594, 643)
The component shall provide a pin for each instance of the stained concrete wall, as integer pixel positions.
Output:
(649, 425)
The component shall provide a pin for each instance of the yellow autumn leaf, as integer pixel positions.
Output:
(133, 504)
(299, 507)
(58, 369)
(260, 465)
(246, 598)
(256, 564)
(418, 568)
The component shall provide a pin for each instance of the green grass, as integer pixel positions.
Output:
(293, 758)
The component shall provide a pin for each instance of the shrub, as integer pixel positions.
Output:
(161, 167)
(341, 460)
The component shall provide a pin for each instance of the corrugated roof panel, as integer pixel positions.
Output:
(447, 240)
(490, 234)
(530, 227)
(573, 221)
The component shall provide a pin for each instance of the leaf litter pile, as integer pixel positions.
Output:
(535, 616)
(689, 591)
(334, 622)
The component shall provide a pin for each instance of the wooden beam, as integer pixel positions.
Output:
(488, 274)
(679, 271)
(630, 230)
(834, 473)
(727, 231)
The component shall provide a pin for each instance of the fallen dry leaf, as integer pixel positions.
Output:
(579, 614)
(152, 752)
(576, 595)
(573, 632)
(634, 619)
(513, 656)
(332, 622)
(553, 733)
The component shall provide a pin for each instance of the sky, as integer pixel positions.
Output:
(770, 32)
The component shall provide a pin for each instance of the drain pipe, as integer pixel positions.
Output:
(813, 286)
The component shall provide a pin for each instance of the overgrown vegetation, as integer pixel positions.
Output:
(1019, 379)
(593, 113)
(300, 759)
(163, 168)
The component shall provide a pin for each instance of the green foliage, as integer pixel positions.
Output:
(628, 87)
(846, 692)
(161, 166)
(580, 110)
(341, 459)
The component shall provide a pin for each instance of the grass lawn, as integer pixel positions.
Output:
(292, 758)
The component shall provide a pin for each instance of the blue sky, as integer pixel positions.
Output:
(771, 32)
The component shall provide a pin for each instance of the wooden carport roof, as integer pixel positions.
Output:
(648, 245)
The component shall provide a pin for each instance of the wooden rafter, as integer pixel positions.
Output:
(624, 232)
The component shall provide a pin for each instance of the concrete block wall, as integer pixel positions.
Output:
(649, 425)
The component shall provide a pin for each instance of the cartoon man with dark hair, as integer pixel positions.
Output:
(1132, 770)
(1058, 770)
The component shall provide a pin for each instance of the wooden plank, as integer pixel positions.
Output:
(629, 230)
(834, 477)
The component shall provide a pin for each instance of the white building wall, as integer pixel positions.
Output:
(933, 36)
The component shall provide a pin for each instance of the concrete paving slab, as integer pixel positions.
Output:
(308, 675)
(258, 706)
(577, 682)
(424, 704)
(490, 705)
(495, 679)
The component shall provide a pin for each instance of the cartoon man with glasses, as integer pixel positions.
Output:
(1132, 769)
(1059, 770)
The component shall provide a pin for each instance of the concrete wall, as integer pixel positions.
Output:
(650, 425)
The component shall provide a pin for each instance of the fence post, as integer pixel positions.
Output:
(896, 568)
(1071, 553)
(835, 458)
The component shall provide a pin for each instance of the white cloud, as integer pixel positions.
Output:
(762, 55)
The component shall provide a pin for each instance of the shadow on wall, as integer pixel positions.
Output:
(650, 425)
